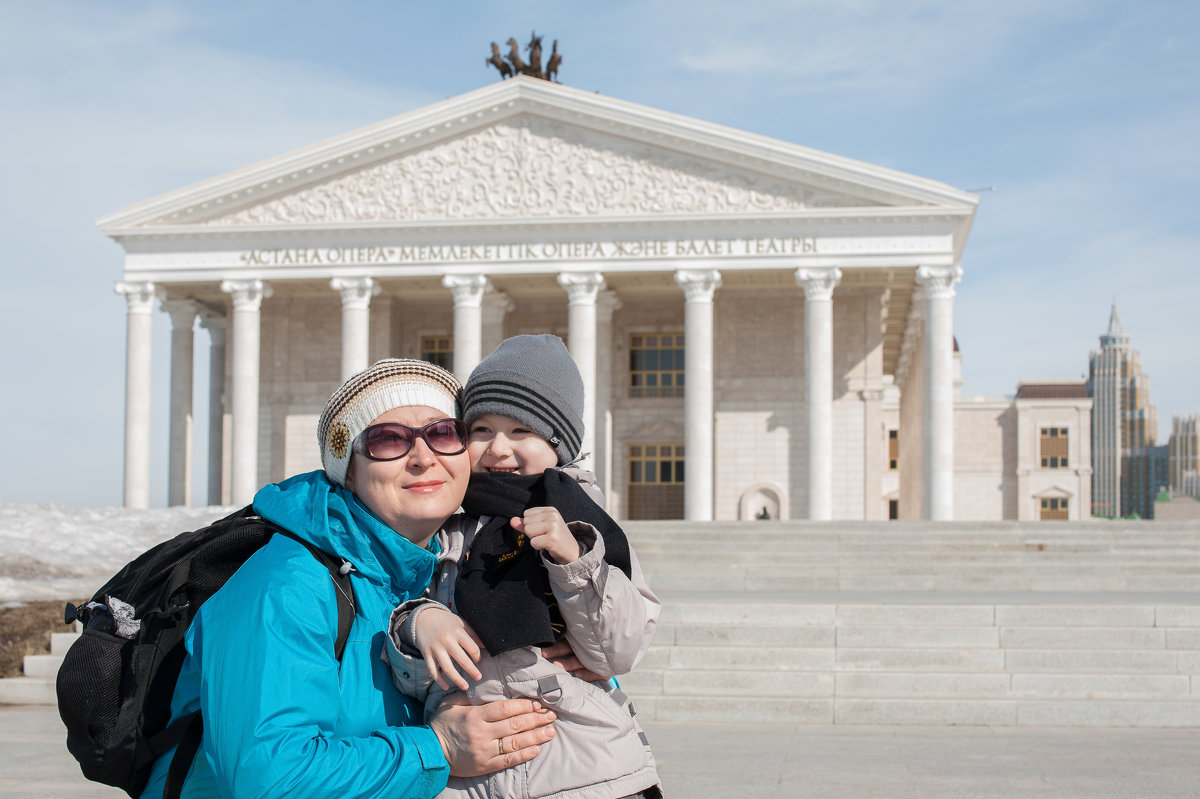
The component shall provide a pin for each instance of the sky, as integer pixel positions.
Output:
(1076, 122)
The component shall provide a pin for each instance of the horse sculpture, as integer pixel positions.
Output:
(534, 70)
(514, 57)
(512, 65)
(552, 64)
(498, 62)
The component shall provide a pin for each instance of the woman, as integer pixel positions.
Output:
(282, 717)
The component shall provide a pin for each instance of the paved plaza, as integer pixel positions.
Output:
(785, 761)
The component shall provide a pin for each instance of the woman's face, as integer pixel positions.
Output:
(416, 493)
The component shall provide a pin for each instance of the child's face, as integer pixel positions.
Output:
(502, 444)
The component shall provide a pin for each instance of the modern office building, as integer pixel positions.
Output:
(763, 329)
(1124, 426)
(1184, 456)
(1144, 475)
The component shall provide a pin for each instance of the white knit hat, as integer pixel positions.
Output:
(390, 383)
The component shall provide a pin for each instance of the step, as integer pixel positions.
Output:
(61, 642)
(42, 667)
(930, 712)
(925, 658)
(27, 691)
(817, 710)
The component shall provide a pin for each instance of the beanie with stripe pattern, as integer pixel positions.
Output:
(534, 380)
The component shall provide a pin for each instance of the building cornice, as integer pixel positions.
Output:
(579, 228)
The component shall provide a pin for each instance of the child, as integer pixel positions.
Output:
(521, 577)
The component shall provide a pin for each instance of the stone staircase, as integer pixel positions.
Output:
(1088, 624)
(1085, 624)
(37, 686)
(1083, 660)
(919, 556)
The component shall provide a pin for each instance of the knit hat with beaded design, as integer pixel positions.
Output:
(390, 383)
(531, 379)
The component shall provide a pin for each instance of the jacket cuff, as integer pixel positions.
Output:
(584, 568)
(433, 760)
(402, 624)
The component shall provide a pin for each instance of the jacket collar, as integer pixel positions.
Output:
(332, 518)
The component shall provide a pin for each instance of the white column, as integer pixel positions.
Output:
(215, 325)
(468, 321)
(938, 284)
(356, 321)
(179, 461)
(818, 285)
(606, 305)
(582, 290)
(699, 288)
(247, 300)
(496, 306)
(138, 345)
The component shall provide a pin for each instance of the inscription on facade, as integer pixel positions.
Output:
(547, 251)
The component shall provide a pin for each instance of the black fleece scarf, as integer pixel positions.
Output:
(503, 590)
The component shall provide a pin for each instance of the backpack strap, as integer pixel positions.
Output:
(339, 572)
(189, 744)
(190, 729)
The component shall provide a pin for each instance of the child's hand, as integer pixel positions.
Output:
(449, 647)
(549, 533)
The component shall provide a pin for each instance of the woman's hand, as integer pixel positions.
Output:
(484, 739)
(562, 655)
(548, 533)
(449, 646)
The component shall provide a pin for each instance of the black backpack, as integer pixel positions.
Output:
(114, 693)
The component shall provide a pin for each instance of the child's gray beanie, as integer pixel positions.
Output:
(531, 379)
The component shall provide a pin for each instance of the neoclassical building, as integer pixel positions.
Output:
(763, 329)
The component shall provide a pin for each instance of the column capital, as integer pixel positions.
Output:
(818, 282)
(699, 285)
(496, 304)
(182, 312)
(608, 302)
(247, 294)
(356, 291)
(215, 323)
(582, 287)
(468, 290)
(938, 281)
(211, 318)
(140, 294)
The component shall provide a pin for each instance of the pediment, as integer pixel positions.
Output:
(1053, 492)
(527, 150)
(658, 429)
(530, 167)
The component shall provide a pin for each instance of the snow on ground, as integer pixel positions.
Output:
(51, 552)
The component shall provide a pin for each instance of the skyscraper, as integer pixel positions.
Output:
(1124, 425)
(1185, 456)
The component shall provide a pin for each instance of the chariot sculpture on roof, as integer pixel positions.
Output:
(513, 65)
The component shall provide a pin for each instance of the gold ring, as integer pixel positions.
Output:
(500, 745)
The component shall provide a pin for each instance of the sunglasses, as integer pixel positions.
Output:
(387, 442)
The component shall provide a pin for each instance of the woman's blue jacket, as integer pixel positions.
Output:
(282, 718)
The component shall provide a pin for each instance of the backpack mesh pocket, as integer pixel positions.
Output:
(91, 707)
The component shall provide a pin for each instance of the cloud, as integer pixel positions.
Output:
(111, 104)
(137, 86)
(871, 46)
(1082, 114)
(1051, 251)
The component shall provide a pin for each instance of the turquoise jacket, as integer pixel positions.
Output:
(281, 719)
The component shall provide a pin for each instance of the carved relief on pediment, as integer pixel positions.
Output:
(532, 167)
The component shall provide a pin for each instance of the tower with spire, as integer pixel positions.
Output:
(1124, 426)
